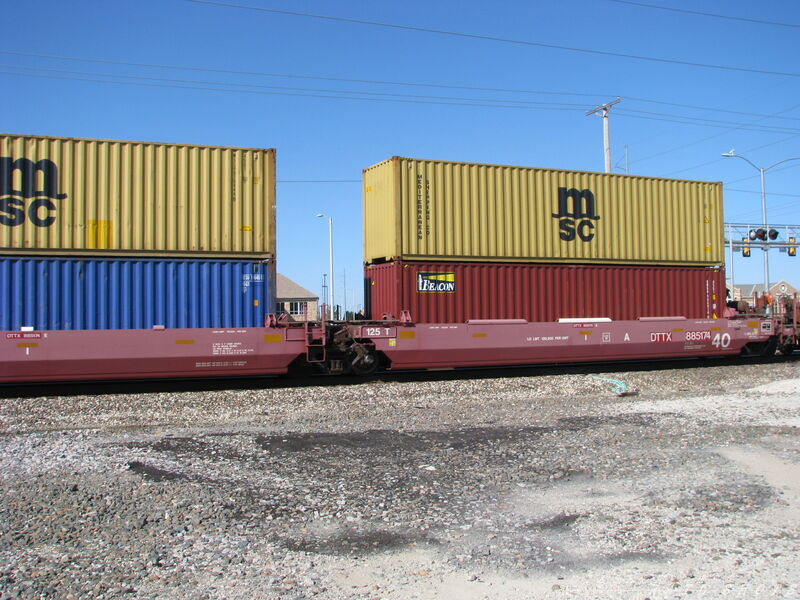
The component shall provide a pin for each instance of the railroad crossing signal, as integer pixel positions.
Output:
(745, 247)
(763, 234)
(742, 237)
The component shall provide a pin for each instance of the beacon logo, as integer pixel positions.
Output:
(576, 214)
(27, 191)
(436, 282)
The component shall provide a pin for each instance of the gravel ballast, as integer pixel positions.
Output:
(518, 484)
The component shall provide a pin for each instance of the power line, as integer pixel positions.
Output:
(710, 108)
(683, 121)
(476, 103)
(783, 168)
(730, 189)
(716, 160)
(335, 94)
(702, 120)
(786, 139)
(292, 75)
(279, 87)
(750, 215)
(692, 168)
(365, 93)
(492, 38)
(380, 82)
(783, 208)
(360, 95)
(791, 108)
(706, 14)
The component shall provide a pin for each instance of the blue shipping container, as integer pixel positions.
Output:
(87, 293)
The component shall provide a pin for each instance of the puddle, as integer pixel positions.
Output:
(152, 473)
(356, 543)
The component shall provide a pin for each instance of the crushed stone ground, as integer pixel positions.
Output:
(519, 484)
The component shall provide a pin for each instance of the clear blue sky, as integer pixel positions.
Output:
(218, 73)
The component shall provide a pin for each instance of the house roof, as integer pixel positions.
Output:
(286, 288)
(746, 290)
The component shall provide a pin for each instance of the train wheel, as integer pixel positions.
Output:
(363, 364)
(766, 348)
(786, 349)
(770, 347)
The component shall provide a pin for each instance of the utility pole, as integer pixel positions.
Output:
(324, 294)
(344, 286)
(603, 110)
(330, 263)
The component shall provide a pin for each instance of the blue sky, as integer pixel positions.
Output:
(335, 95)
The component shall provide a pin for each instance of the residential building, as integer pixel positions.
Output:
(295, 300)
(748, 291)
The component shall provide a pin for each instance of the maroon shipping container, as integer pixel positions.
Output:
(444, 292)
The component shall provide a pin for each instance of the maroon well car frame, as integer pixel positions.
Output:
(364, 347)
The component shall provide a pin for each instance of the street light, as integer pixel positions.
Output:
(761, 170)
(330, 256)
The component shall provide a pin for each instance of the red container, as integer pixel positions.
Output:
(444, 292)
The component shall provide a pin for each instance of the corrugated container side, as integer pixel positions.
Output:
(382, 218)
(107, 197)
(436, 210)
(89, 293)
(439, 292)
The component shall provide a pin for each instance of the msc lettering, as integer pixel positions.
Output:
(40, 209)
(577, 219)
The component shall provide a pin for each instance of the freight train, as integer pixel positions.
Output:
(130, 260)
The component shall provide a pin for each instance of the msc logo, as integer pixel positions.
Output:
(576, 219)
(436, 282)
(38, 183)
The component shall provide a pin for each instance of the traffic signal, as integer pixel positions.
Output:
(758, 234)
(792, 249)
(745, 248)
(773, 234)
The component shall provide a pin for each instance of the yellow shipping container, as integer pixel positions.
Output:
(436, 210)
(107, 197)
